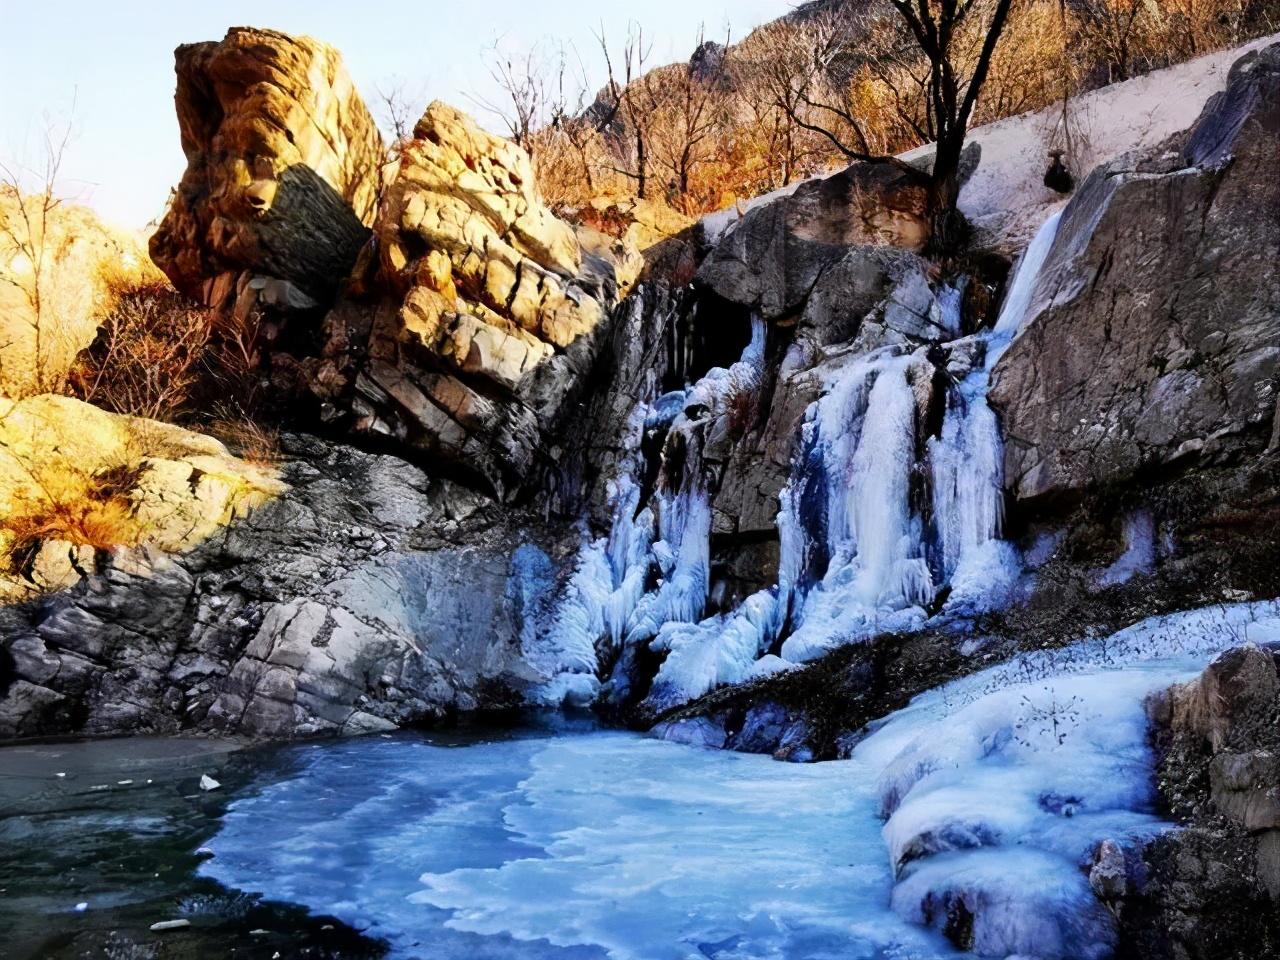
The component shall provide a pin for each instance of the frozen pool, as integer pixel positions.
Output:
(596, 844)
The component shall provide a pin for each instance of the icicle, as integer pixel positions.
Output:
(967, 461)
(877, 577)
(1013, 315)
(682, 595)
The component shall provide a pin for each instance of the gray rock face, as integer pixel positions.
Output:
(366, 597)
(1210, 890)
(772, 258)
(1159, 338)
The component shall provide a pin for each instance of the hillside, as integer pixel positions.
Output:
(534, 540)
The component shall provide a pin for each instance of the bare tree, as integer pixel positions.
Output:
(570, 138)
(629, 93)
(1112, 26)
(526, 95)
(685, 107)
(27, 205)
(936, 26)
(398, 107)
(803, 67)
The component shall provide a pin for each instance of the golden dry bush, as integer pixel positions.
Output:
(61, 270)
(149, 356)
(71, 505)
(73, 474)
(248, 437)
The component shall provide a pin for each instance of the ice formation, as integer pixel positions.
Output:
(880, 578)
(996, 787)
(607, 584)
(606, 601)
(863, 443)
(885, 563)
(1139, 550)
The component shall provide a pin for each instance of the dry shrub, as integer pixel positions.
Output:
(162, 357)
(86, 509)
(149, 356)
(246, 436)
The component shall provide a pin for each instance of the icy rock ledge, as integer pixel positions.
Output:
(998, 787)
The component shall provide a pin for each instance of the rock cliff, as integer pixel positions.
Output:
(363, 596)
(486, 311)
(284, 169)
(1158, 343)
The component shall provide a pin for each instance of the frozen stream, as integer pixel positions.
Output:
(978, 806)
(987, 795)
(595, 844)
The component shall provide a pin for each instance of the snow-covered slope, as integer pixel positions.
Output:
(1007, 196)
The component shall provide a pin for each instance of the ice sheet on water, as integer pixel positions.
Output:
(596, 845)
(997, 786)
(609, 845)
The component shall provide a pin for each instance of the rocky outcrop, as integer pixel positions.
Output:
(771, 258)
(284, 168)
(490, 310)
(365, 596)
(472, 321)
(1158, 342)
(1209, 891)
(76, 481)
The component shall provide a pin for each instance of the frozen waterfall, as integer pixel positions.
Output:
(607, 600)
(881, 526)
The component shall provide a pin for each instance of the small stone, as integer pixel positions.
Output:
(81, 907)
(169, 925)
(1109, 877)
(208, 783)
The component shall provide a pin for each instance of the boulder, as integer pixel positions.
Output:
(1219, 731)
(1210, 889)
(284, 169)
(490, 310)
(1156, 339)
(772, 257)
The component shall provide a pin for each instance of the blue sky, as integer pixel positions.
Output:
(114, 62)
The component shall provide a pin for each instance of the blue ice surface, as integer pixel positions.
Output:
(575, 845)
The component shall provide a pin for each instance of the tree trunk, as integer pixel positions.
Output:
(949, 230)
(642, 163)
